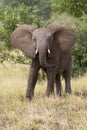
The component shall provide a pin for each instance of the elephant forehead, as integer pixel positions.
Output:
(42, 33)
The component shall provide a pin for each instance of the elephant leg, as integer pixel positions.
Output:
(67, 77)
(33, 75)
(58, 85)
(50, 83)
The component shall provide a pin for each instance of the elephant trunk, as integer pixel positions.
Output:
(43, 59)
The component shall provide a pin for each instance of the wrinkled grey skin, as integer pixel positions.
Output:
(50, 49)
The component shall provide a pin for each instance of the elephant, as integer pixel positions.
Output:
(50, 48)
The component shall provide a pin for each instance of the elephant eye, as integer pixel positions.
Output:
(34, 39)
(50, 39)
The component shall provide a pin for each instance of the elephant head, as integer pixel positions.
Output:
(32, 40)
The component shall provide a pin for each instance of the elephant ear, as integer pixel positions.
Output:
(21, 38)
(63, 35)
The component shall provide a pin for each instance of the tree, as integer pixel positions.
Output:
(12, 17)
(74, 7)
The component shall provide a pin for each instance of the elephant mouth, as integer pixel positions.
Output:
(36, 51)
(43, 59)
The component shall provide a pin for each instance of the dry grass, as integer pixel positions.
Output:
(53, 113)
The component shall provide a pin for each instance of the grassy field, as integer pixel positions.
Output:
(53, 113)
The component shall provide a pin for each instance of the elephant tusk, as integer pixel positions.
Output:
(36, 51)
(49, 51)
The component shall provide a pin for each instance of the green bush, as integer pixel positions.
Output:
(73, 7)
(12, 17)
(4, 55)
(80, 48)
(13, 55)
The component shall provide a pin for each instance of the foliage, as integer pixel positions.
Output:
(14, 56)
(80, 49)
(73, 7)
(12, 17)
(44, 6)
(44, 9)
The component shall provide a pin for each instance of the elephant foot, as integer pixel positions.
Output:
(68, 90)
(47, 94)
(59, 92)
(30, 95)
(29, 98)
(50, 93)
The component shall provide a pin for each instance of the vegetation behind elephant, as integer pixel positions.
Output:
(50, 49)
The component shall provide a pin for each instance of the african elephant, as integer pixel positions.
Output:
(50, 49)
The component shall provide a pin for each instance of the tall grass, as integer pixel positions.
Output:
(53, 113)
